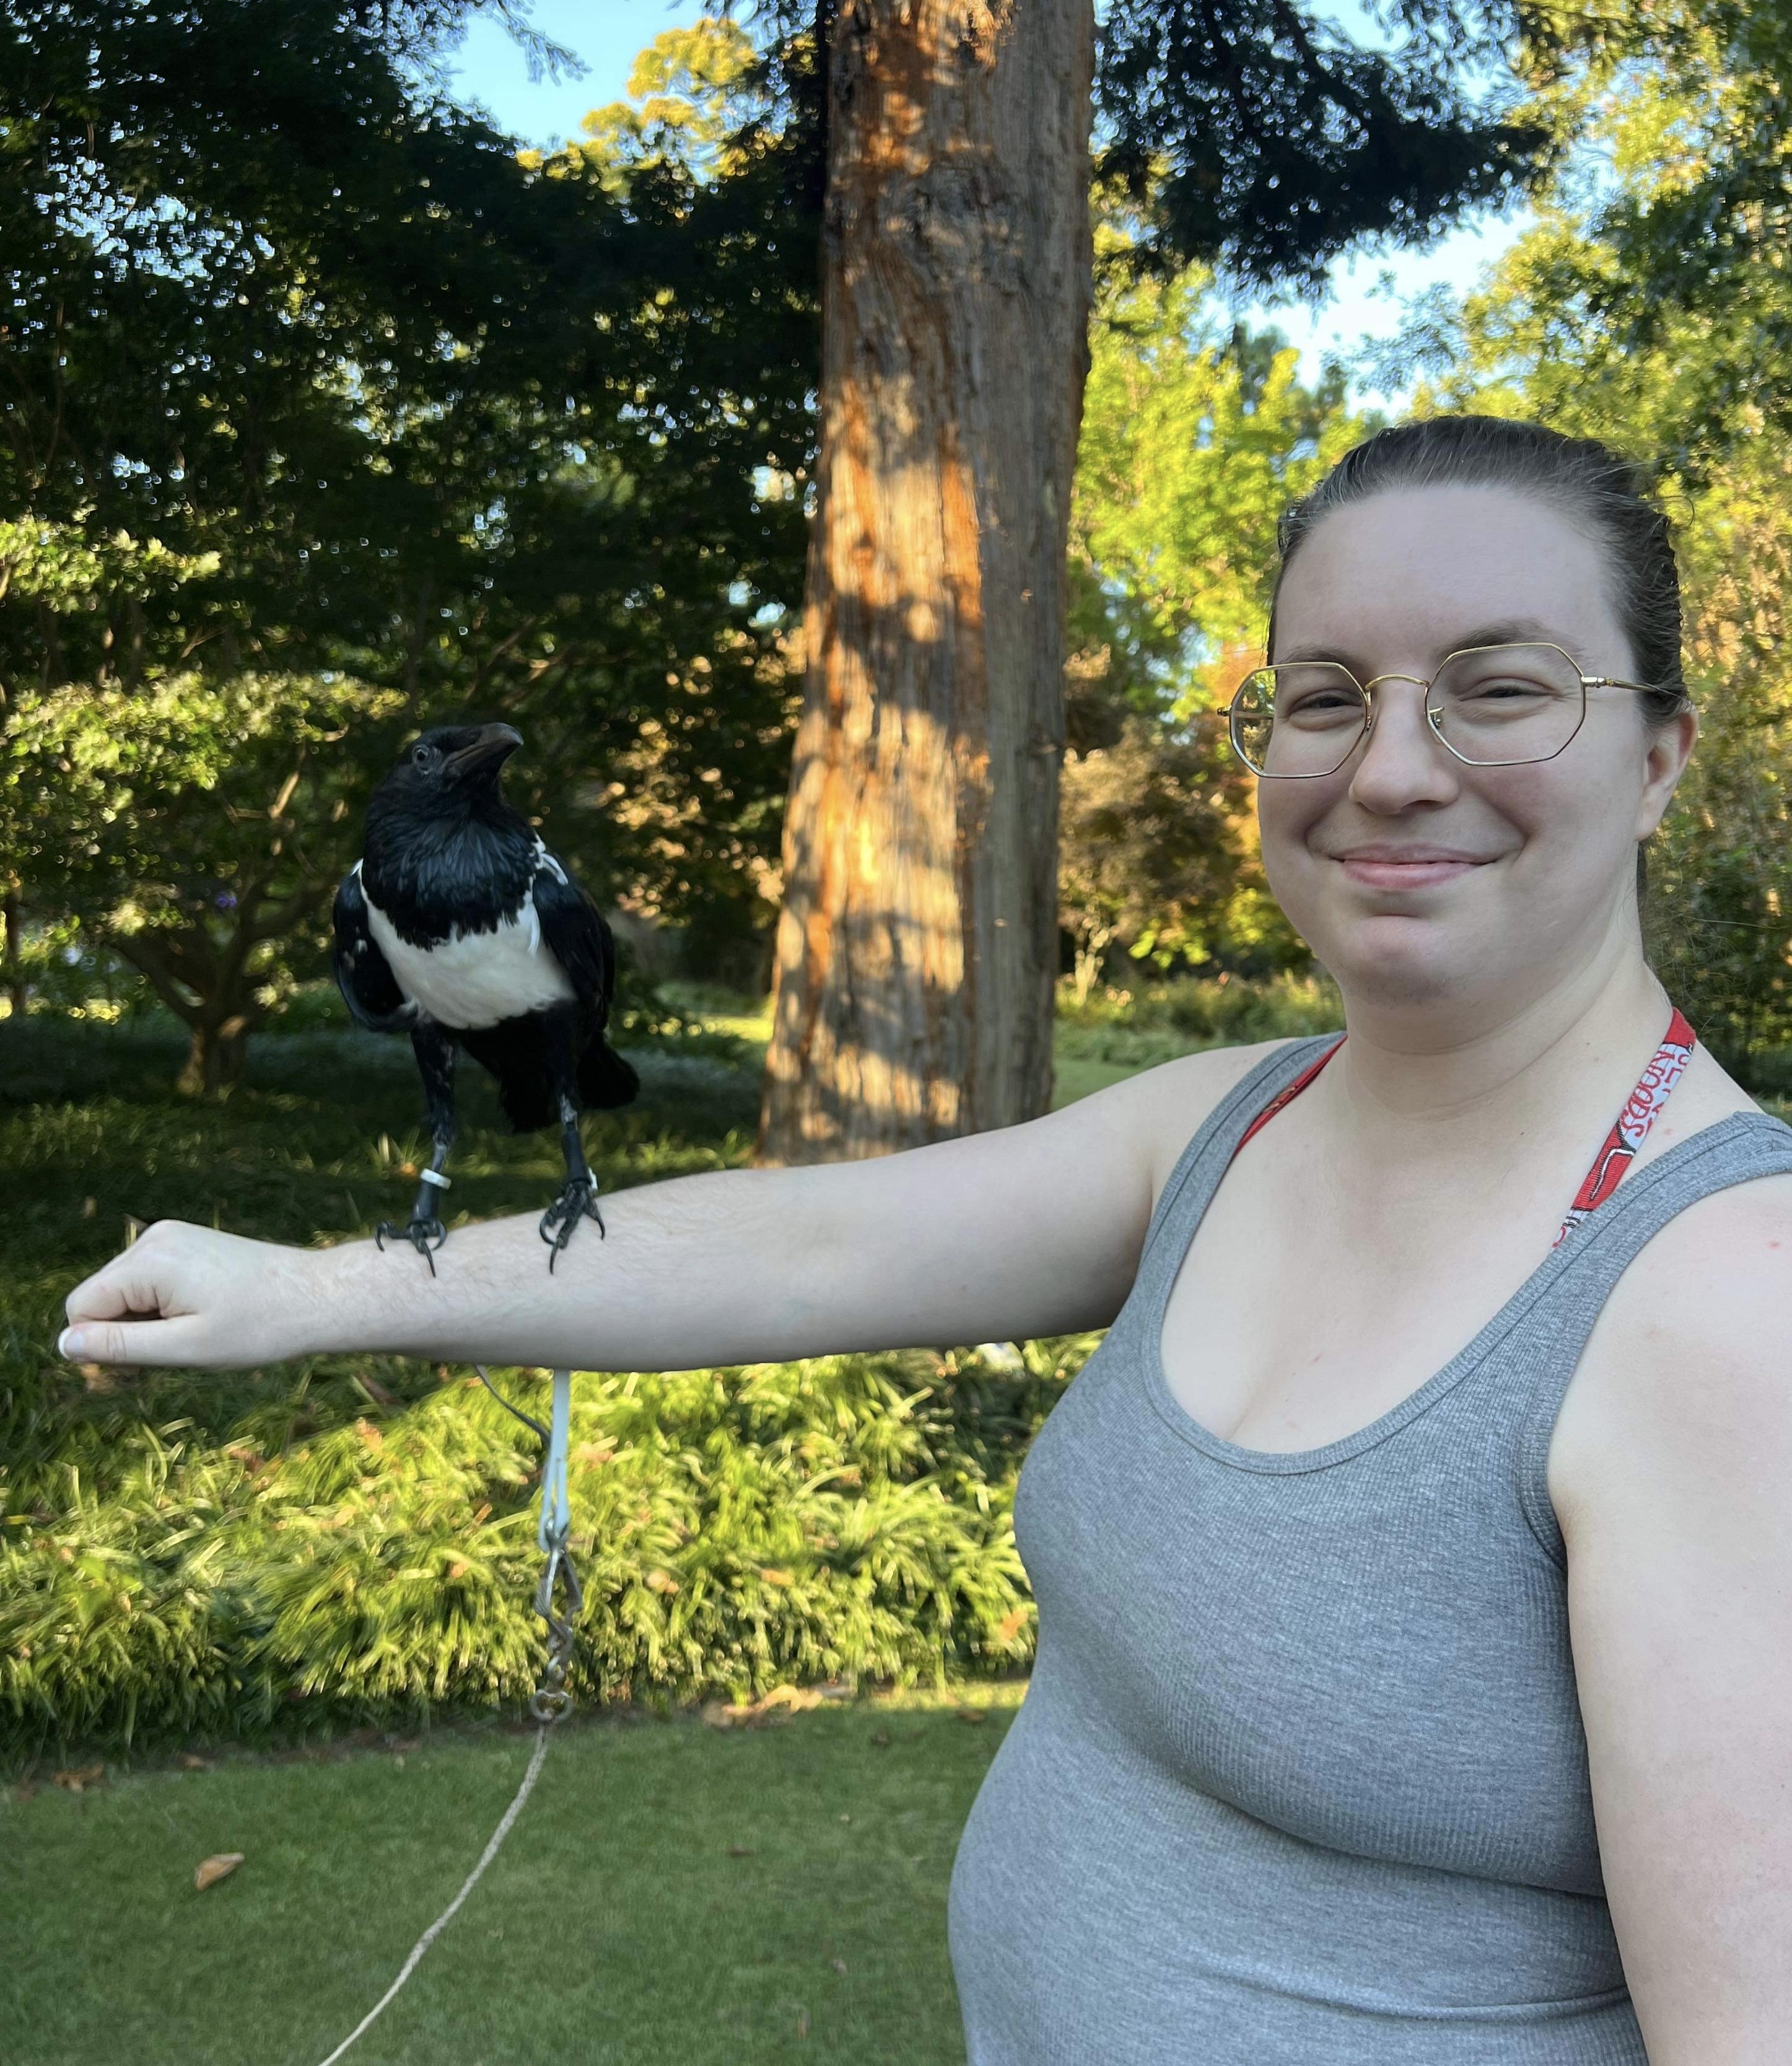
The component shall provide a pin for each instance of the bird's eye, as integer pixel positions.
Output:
(421, 756)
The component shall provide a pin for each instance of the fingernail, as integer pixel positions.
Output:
(72, 1344)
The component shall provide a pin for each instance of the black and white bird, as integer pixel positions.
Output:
(459, 925)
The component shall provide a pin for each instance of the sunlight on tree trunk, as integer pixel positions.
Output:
(917, 944)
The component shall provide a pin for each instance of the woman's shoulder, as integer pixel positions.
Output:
(1695, 1335)
(1175, 1099)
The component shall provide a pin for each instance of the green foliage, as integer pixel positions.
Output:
(1196, 434)
(1263, 135)
(1138, 1029)
(1683, 260)
(314, 378)
(848, 1517)
(696, 91)
(353, 1539)
(195, 825)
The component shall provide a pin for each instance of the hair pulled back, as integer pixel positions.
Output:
(1605, 495)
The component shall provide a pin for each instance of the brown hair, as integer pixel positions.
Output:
(1606, 496)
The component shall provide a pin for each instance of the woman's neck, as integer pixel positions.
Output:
(1410, 1079)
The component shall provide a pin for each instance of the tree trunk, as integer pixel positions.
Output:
(208, 986)
(917, 947)
(216, 1055)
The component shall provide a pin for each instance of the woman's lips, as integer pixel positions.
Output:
(1375, 874)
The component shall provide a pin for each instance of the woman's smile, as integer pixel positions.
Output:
(1383, 865)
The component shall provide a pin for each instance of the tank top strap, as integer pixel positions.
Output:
(1570, 1289)
(1191, 1183)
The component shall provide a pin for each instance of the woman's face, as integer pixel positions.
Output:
(1413, 877)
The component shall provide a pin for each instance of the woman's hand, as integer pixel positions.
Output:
(191, 1296)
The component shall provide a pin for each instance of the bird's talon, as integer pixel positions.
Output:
(423, 1235)
(578, 1201)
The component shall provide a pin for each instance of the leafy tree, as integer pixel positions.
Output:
(515, 435)
(1685, 236)
(1196, 434)
(189, 822)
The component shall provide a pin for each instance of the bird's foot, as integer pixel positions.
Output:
(423, 1230)
(577, 1201)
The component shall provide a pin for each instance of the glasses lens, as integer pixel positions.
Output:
(1304, 718)
(1505, 703)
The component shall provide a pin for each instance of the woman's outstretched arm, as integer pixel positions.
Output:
(1029, 1229)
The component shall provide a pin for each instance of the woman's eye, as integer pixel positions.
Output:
(1317, 704)
(1504, 688)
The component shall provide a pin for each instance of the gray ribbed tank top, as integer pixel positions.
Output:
(1300, 1777)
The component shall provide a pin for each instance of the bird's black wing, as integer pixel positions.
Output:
(363, 975)
(574, 932)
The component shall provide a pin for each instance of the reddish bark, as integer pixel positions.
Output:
(917, 947)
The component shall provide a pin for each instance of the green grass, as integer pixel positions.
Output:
(670, 1894)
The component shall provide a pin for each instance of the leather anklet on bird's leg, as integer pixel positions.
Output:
(578, 1197)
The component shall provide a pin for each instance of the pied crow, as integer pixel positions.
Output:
(460, 926)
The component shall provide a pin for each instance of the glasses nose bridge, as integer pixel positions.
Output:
(1418, 681)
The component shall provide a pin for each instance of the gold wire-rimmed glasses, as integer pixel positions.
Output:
(1491, 706)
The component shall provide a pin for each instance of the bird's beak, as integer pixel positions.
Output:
(495, 742)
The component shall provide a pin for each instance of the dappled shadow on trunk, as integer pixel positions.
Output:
(917, 946)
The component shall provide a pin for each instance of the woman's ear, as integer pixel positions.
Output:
(1670, 747)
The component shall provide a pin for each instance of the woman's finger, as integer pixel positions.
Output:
(129, 1283)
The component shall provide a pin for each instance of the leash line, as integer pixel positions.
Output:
(453, 1908)
(550, 1700)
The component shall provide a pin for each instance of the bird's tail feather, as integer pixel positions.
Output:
(605, 1078)
(516, 1053)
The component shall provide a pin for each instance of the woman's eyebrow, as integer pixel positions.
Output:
(1506, 631)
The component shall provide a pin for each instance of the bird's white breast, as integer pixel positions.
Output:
(474, 980)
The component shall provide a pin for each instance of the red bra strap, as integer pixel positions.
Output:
(1292, 1092)
(1628, 1130)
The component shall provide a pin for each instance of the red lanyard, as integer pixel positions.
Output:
(1629, 1129)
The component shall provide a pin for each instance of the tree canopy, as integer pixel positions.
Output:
(313, 378)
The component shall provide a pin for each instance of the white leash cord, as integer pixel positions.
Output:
(448, 1914)
(551, 1701)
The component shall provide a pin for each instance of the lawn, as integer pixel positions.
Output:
(672, 1896)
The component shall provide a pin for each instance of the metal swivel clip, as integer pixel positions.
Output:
(560, 1579)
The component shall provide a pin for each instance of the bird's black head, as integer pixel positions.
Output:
(451, 771)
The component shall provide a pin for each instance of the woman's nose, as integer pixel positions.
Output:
(1402, 761)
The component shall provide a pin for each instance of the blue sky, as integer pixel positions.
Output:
(488, 68)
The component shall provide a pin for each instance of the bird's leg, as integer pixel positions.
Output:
(578, 1197)
(434, 1050)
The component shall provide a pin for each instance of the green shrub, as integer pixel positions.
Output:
(1138, 1029)
(327, 1557)
(353, 1540)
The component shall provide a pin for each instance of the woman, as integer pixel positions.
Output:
(1387, 1688)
